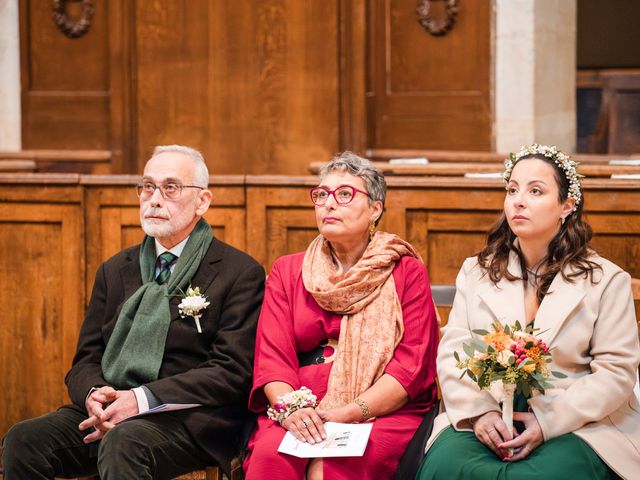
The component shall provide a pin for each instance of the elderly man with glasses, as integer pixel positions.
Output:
(170, 321)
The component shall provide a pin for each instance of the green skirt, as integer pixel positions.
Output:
(460, 455)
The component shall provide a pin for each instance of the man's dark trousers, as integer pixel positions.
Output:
(150, 447)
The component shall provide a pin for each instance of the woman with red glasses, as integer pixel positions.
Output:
(347, 334)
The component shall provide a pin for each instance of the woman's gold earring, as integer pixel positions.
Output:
(562, 219)
(372, 228)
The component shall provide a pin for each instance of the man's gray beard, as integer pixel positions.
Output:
(167, 228)
(156, 231)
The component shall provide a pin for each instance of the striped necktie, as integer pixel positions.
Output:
(165, 260)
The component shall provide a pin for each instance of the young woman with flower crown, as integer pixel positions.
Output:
(537, 268)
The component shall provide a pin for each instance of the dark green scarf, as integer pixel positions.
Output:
(134, 353)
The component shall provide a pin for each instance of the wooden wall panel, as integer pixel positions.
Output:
(620, 249)
(276, 205)
(447, 252)
(290, 229)
(259, 86)
(59, 228)
(612, 239)
(172, 96)
(42, 283)
(454, 236)
(617, 44)
(65, 81)
(427, 91)
(253, 84)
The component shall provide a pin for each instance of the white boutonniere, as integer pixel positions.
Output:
(192, 305)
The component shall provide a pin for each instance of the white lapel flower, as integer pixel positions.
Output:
(192, 305)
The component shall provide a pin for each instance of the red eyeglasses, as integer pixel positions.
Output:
(344, 194)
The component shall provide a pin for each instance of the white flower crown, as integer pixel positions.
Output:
(568, 166)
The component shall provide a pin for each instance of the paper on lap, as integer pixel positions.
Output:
(343, 440)
(166, 407)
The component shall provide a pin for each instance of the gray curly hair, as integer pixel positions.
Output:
(358, 166)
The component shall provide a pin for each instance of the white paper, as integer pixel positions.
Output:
(343, 440)
(483, 175)
(409, 161)
(626, 176)
(625, 161)
(167, 407)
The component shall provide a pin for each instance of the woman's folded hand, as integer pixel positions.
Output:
(492, 432)
(349, 413)
(530, 439)
(306, 425)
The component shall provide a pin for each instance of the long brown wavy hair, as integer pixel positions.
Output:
(569, 247)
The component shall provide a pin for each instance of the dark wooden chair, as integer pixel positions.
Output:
(617, 128)
(621, 99)
(209, 473)
(443, 296)
(215, 473)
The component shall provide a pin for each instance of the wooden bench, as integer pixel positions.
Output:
(76, 161)
(591, 166)
(17, 166)
(459, 156)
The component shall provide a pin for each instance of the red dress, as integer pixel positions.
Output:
(290, 322)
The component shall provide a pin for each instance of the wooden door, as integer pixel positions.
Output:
(65, 80)
(426, 91)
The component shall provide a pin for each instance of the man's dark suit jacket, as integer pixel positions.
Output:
(212, 368)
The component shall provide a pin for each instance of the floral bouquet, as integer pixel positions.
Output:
(510, 354)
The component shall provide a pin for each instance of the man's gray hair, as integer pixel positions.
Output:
(200, 170)
(359, 167)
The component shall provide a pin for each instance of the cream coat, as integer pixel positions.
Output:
(592, 332)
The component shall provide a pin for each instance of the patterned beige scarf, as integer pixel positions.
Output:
(366, 296)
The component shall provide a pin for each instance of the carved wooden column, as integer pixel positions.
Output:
(10, 136)
(535, 70)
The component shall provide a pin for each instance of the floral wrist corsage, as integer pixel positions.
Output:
(290, 402)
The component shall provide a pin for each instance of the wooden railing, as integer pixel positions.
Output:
(480, 157)
(460, 169)
(459, 163)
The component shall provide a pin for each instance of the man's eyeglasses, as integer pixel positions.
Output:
(169, 191)
(343, 194)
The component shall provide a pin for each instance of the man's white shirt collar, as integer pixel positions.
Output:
(177, 250)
